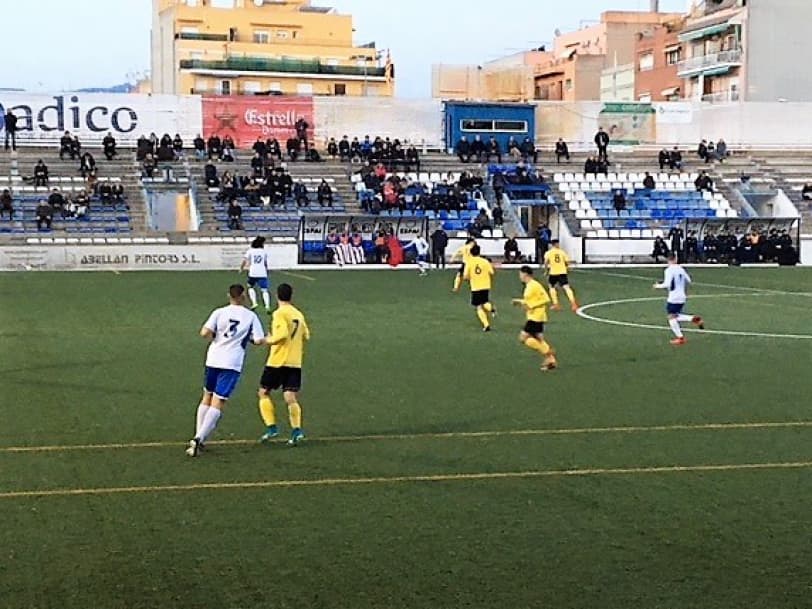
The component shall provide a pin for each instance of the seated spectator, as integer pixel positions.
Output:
(312, 155)
(227, 155)
(512, 252)
(143, 147)
(80, 204)
(711, 153)
(165, 141)
(344, 149)
(660, 250)
(529, 151)
(228, 143)
(648, 182)
(66, 146)
(106, 193)
(498, 215)
(92, 180)
(366, 148)
(56, 200)
(721, 150)
(664, 158)
(483, 223)
(261, 148)
(210, 175)
(494, 150)
(274, 149)
(234, 215)
(75, 148)
(702, 150)
(45, 215)
(40, 174)
(675, 159)
(463, 150)
(177, 146)
(252, 192)
(513, 149)
(332, 148)
(562, 151)
(412, 158)
(229, 187)
(478, 149)
(704, 182)
(109, 146)
(619, 201)
(199, 145)
(166, 153)
(300, 194)
(591, 165)
(6, 204)
(806, 192)
(257, 165)
(356, 154)
(292, 148)
(214, 147)
(325, 194)
(87, 164)
(148, 167)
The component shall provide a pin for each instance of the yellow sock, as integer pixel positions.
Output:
(488, 307)
(570, 294)
(295, 414)
(266, 410)
(538, 345)
(457, 281)
(483, 317)
(554, 296)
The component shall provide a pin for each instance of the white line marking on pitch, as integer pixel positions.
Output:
(298, 276)
(457, 477)
(699, 283)
(429, 436)
(629, 324)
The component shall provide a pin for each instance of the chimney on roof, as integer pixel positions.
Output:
(655, 6)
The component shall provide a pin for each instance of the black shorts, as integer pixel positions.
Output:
(561, 280)
(480, 297)
(285, 378)
(534, 328)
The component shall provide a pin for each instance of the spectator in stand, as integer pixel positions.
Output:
(274, 149)
(148, 167)
(691, 248)
(6, 204)
(675, 159)
(356, 153)
(366, 148)
(177, 146)
(619, 201)
(10, 121)
(483, 223)
(301, 127)
(676, 234)
(590, 165)
(711, 156)
(332, 148)
(109, 146)
(45, 215)
(660, 250)
(344, 153)
(513, 150)
(252, 192)
(118, 193)
(494, 150)
(477, 149)
(228, 155)
(66, 146)
(228, 143)
(75, 148)
(325, 194)
(301, 195)
(381, 249)
(439, 242)
(165, 141)
(154, 141)
(562, 151)
(463, 150)
(106, 193)
(87, 164)
(214, 147)
(199, 145)
(261, 148)
(412, 158)
(648, 182)
(602, 142)
(40, 174)
(704, 182)
(664, 158)
(806, 192)
(210, 175)
(80, 204)
(721, 150)
(56, 201)
(512, 251)
(234, 215)
(257, 165)
(292, 148)
(498, 215)
(529, 150)
(702, 150)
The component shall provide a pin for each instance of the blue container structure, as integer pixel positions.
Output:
(488, 119)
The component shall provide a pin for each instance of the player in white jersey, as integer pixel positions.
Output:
(421, 246)
(229, 329)
(256, 261)
(676, 281)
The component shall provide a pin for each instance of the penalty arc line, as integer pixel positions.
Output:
(434, 436)
(582, 312)
(455, 477)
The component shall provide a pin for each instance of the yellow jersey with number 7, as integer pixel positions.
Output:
(289, 331)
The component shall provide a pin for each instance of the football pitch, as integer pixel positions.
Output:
(442, 469)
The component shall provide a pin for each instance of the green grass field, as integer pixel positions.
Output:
(442, 469)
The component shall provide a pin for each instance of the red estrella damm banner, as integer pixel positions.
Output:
(247, 117)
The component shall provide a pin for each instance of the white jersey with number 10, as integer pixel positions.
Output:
(257, 259)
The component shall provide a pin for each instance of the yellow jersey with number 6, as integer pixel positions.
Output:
(556, 260)
(479, 273)
(289, 331)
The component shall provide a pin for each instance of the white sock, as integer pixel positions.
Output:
(685, 318)
(266, 298)
(675, 327)
(424, 266)
(209, 423)
(252, 294)
(201, 415)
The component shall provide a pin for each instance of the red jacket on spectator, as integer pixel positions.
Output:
(395, 251)
(380, 170)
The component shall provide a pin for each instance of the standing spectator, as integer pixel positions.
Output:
(325, 194)
(602, 142)
(675, 159)
(200, 147)
(11, 130)
(301, 133)
(6, 204)
(439, 242)
(562, 151)
(512, 252)
(543, 238)
(702, 150)
(40, 174)
(66, 146)
(234, 215)
(664, 158)
(463, 150)
(676, 234)
(109, 146)
(45, 215)
(87, 164)
(619, 201)
(498, 215)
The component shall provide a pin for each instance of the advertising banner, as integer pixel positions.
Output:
(90, 116)
(246, 118)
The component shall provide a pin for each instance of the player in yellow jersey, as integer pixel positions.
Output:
(288, 334)
(535, 301)
(464, 255)
(479, 274)
(557, 263)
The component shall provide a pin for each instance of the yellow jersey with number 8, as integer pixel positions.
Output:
(556, 261)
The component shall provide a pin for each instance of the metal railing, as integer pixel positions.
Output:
(207, 37)
(723, 97)
(705, 62)
(257, 64)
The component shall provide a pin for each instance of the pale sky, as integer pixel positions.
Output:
(57, 45)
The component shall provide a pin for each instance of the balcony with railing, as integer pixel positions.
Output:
(722, 97)
(204, 37)
(706, 63)
(285, 66)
